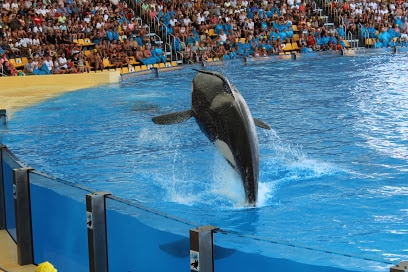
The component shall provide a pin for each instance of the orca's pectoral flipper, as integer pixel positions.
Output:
(173, 118)
(261, 124)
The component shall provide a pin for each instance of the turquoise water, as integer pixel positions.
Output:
(333, 171)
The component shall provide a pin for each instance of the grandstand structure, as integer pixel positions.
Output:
(156, 32)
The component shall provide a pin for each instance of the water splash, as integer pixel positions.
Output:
(218, 185)
(283, 163)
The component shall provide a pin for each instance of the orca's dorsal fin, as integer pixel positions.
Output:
(261, 124)
(173, 118)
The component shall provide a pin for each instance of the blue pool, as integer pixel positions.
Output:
(333, 170)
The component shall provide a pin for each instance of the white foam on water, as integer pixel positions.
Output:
(226, 183)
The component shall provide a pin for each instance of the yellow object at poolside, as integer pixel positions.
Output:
(45, 267)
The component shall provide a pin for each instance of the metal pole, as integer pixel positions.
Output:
(97, 239)
(21, 191)
(2, 200)
(201, 249)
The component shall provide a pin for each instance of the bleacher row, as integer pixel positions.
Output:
(371, 42)
(287, 47)
(134, 67)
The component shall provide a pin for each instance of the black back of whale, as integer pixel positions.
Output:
(224, 117)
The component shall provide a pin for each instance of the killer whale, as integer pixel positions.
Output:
(224, 117)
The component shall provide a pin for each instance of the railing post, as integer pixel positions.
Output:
(201, 249)
(2, 201)
(97, 239)
(401, 267)
(3, 116)
(21, 191)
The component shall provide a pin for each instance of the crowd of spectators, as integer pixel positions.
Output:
(48, 32)
(384, 21)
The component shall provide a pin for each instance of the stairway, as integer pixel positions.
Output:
(329, 16)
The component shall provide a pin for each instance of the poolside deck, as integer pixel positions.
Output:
(18, 92)
(8, 255)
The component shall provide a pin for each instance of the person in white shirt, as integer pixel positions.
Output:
(358, 11)
(115, 3)
(28, 4)
(37, 29)
(50, 64)
(173, 21)
(200, 18)
(36, 40)
(250, 24)
(106, 15)
(14, 5)
(373, 4)
(352, 5)
(42, 10)
(99, 24)
(63, 61)
(383, 10)
(87, 19)
(223, 37)
(187, 20)
(24, 42)
(6, 5)
(392, 7)
(290, 3)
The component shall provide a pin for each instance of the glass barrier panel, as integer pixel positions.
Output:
(143, 240)
(9, 163)
(59, 223)
(237, 252)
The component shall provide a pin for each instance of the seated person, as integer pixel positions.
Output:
(158, 53)
(148, 57)
(139, 54)
(41, 68)
(29, 66)
(9, 69)
(95, 60)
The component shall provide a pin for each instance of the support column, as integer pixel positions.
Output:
(97, 239)
(21, 191)
(201, 249)
(2, 201)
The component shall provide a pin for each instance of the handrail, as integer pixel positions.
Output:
(313, 5)
(151, 23)
(178, 55)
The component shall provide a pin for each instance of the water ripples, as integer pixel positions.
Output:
(333, 170)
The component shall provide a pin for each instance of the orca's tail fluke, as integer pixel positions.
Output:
(173, 118)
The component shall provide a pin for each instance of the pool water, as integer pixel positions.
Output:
(333, 170)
